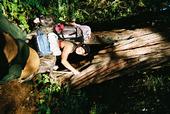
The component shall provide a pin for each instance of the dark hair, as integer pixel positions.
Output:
(86, 48)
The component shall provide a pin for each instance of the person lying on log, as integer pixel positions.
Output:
(64, 48)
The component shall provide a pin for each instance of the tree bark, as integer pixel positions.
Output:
(135, 50)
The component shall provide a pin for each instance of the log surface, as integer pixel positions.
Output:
(133, 50)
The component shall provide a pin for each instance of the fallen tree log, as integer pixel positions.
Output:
(134, 50)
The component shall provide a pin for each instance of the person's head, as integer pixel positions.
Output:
(82, 49)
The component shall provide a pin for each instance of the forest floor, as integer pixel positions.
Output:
(17, 98)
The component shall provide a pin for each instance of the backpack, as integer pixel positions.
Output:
(42, 43)
(69, 32)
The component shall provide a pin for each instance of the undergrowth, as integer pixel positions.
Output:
(146, 92)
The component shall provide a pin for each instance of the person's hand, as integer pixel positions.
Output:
(76, 72)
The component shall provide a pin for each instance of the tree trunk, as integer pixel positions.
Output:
(134, 50)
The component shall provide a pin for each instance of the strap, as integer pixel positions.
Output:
(61, 35)
(77, 27)
(22, 55)
(4, 66)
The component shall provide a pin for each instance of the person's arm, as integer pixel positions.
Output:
(64, 56)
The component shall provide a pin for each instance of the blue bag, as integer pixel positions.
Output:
(43, 43)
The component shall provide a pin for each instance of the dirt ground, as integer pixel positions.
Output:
(17, 98)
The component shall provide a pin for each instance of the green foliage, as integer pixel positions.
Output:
(53, 98)
(143, 92)
(62, 12)
(45, 91)
(13, 29)
(17, 12)
(38, 7)
(150, 90)
(98, 108)
(109, 11)
(87, 11)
